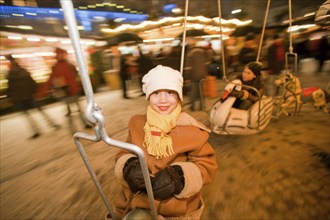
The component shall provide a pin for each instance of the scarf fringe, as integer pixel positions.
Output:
(159, 146)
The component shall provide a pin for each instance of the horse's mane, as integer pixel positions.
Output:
(327, 95)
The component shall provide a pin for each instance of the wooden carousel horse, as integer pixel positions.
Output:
(294, 96)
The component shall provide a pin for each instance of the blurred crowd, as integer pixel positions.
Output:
(204, 59)
(127, 68)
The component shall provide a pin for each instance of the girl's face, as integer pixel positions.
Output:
(248, 75)
(164, 101)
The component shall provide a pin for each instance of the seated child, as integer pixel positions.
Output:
(179, 158)
(251, 76)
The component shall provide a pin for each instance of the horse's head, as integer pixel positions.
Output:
(285, 79)
(290, 83)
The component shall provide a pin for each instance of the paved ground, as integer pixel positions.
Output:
(280, 173)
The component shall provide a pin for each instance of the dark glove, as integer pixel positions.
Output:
(168, 182)
(132, 173)
(237, 94)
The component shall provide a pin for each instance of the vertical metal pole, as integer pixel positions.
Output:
(263, 32)
(290, 22)
(222, 45)
(184, 37)
(70, 19)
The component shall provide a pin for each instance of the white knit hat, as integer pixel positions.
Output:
(162, 77)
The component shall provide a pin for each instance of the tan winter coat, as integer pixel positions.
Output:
(192, 152)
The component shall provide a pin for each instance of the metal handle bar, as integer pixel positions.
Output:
(94, 115)
(287, 54)
(259, 96)
(259, 102)
(201, 83)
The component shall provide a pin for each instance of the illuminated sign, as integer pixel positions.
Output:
(84, 16)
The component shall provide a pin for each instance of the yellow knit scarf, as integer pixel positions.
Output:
(156, 138)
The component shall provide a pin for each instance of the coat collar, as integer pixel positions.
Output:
(187, 120)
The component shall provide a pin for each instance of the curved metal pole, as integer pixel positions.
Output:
(222, 45)
(263, 31)
(70, 19)
(184, 37)
(94, 115)
(123, 145)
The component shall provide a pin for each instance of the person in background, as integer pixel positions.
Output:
(196, 68)
(248, 53)
(324, 52)
(276, 62)
(64, 85)
(21, 91)
(124, 73)
(145, 63)
(180, 159)
(276, 56)
(251, 76)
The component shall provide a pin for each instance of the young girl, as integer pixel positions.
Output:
(251, 76)
(177, 152)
